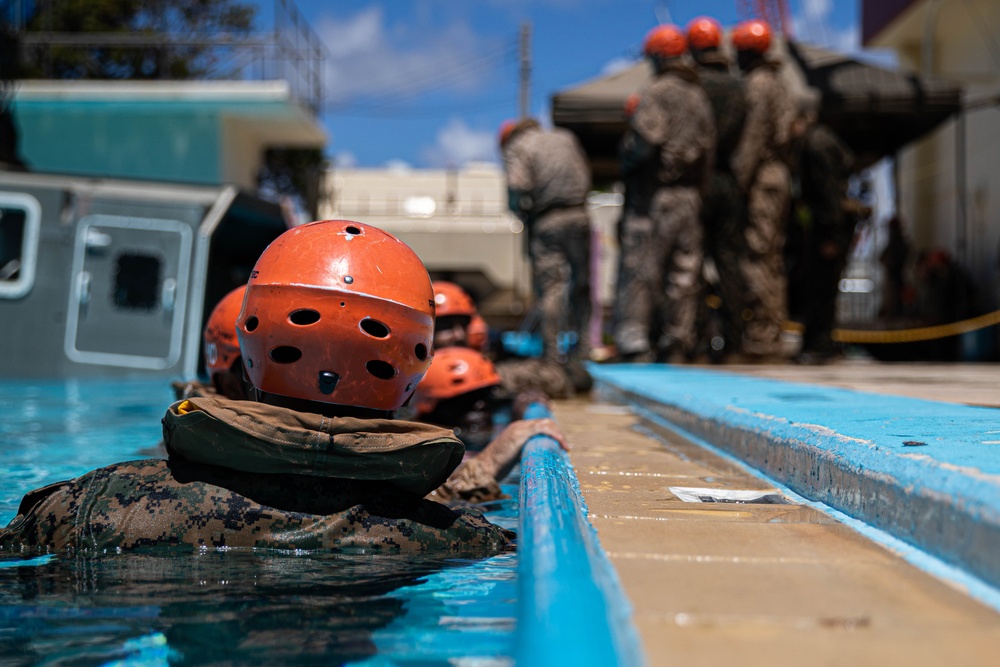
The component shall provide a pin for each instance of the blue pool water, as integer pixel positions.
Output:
(220, 606)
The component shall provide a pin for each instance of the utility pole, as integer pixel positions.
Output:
(525, 88)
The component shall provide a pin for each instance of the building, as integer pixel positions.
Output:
(948, 183)
(457, 221)
(139, 206)
(199, 132)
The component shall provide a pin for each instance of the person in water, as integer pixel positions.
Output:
(458, 323)
(462, 391)
(221, 353)
(335, 334)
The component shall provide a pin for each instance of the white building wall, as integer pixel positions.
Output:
(456, 221)
(964, 46)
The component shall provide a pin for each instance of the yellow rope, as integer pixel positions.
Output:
(918, 334)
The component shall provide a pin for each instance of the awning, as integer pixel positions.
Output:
(875, 110)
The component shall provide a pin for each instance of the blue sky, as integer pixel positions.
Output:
(428, 82)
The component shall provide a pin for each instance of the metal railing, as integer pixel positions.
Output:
(289, 51)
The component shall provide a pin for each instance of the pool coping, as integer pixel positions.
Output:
(567, 586)
(939, 490)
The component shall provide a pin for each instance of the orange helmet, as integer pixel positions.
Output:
(506, 130)
(664, 41)
(704, 33)
(631, 104)
(338, 312)
(477, 335)
(450, 299)
(454, 371)
(221, 346)
(753, 35)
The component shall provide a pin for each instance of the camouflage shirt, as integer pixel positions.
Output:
(766, 133)
(725, 95)
(825, 166)
(675, 118)
(334, 484)
(549, 167)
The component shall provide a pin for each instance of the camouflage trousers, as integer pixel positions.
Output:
(560, 272)
(659, 278)
(763, 265)
(722, 215)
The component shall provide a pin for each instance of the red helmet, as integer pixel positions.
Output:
(664, 41)
(221, 346)
(506, 130)
(338, 312)
(454, 371)
(631, 104)
(450, 299)
(477, 335)
(753, 35)
(704, 33)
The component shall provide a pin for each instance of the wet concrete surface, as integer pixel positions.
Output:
(746, 584)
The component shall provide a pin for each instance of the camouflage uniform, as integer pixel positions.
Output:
(759, 164)
(824, 167)
(549, 174)
(667, 151)
(722, 212)
(243, 474)
(550, 378)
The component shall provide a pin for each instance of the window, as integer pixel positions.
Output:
(137, 282)
(20, 218)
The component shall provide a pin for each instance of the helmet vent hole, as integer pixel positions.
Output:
(304, 317)
(286, 354)
(251, 323)
(353, 230)
(374, 328)
(421, 351)
(381, 369)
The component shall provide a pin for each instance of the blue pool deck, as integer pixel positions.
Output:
(890, 533)
(926, 472)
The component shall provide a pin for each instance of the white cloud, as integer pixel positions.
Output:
(398, 165)
(813, 24)
(457, 144)
(345, 160)
(617, 65)
(395, 62)
(816, 9)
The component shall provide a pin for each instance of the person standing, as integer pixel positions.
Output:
(548, 179)
(667, 152)
(722, 212)
(827, 218)
(759, 164)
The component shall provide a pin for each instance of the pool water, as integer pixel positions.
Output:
(223, 607)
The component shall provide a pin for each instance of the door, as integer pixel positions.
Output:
(130, 278)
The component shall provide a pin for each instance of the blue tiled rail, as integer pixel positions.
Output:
(571, 608)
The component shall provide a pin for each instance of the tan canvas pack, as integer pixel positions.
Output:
(253, 437)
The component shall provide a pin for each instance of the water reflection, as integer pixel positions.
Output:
(229, 607)
(219, 607)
